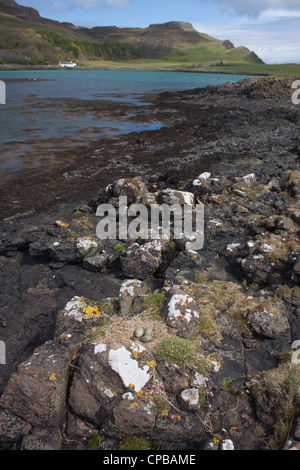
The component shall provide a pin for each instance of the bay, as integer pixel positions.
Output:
(47, 111)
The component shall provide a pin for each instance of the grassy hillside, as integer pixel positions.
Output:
(213, 52)
(30, 40)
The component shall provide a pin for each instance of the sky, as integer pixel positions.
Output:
(271, 28)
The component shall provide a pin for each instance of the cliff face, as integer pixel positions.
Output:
(176, 32)
(12, 8)
(173, 25)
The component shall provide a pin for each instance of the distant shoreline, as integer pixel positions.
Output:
(133, 70)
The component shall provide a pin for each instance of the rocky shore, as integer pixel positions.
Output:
(145, 344)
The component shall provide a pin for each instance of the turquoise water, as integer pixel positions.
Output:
(55, 109)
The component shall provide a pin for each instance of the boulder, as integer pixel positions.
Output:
(256, 269)
(133, 415)
(285, 223)
(189, 399)
(293, 211)
(296, 268)
(78, 317)
(37, 391)
(141, 261)
(173, 196)
(105, 373)
(178, 427)
(291, 182)
(131, 291)
(42, 439)
(12, 428)
(268, 324)
(100, 262)
(132, 188)
(228, 357)
(248, 180)
(181, 312)
(86, 246)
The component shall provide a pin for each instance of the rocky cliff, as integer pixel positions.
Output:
(10, 7)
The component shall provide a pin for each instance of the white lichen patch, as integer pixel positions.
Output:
(204, 176)
(131, 374)
(190, 396)
(74, 308)
(178, 308)
(199, 380)
(249, 178)
(155, 245)
(180, 197)
(85, 244)
(137, 348)
(148, 409)
(217, 223)
(227, 444)
(81, 310)
(109, 393)
(265, 247)
(232, 246)
(99, 348)
(128, 286)
(215, 364)
(128, 396)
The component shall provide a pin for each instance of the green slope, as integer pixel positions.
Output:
(30, 40)
(213, 52)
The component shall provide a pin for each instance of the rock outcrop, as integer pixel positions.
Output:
(201, 379)
(189, 350)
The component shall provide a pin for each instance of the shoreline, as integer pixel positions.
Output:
(177, 113)
(133, 69)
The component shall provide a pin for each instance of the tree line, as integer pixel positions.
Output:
(27, 46)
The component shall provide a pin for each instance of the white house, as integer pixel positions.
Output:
(67, 64)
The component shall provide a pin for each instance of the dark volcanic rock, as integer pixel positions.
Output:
(218, 370)
(36, 392)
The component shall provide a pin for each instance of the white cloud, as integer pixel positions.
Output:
(272, 13)
(254, 7)
(91, 4)
(58, 7)
(275, 41)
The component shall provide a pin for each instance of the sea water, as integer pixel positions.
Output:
(49, 110)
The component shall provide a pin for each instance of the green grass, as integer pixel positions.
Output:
(119, 248)
(134, 443)
(182, 353)
(278, 389)
(213, 52)
(154, 302)
(272, 70)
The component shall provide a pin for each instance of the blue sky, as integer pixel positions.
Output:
(269, 27)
